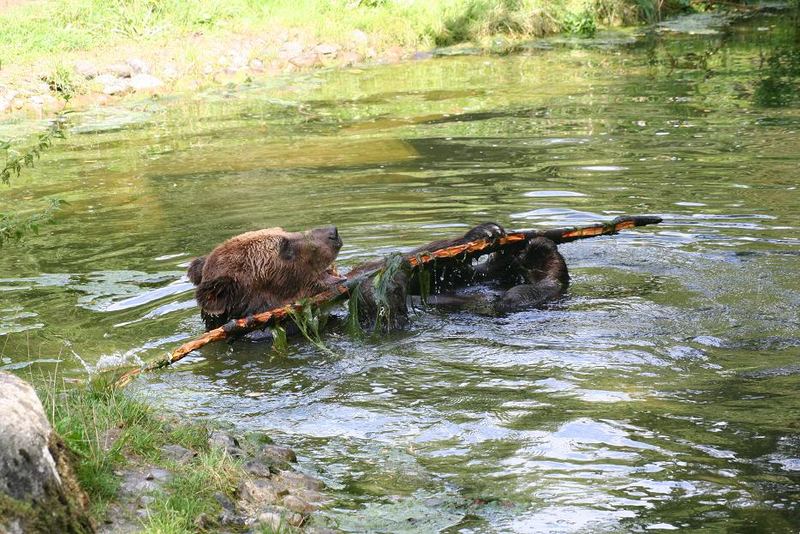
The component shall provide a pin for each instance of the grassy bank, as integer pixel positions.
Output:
(111, 433)
(32, 30)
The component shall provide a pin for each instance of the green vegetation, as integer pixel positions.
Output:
(110, 431)
(14, 225)
(40, 29)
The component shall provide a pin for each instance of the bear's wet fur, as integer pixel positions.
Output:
(263, 269)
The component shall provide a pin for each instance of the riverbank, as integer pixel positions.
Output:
(144, 471)
(89, 52)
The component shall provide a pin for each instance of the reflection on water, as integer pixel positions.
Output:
(660, 394)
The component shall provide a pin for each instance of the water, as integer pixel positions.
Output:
(660, 394)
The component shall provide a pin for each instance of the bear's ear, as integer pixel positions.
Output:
(195, 270)
(219, 296)
(286, 249)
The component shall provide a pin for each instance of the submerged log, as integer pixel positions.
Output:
(338, 293)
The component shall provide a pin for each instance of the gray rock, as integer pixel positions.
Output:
(38, 488)
(257, 469)
(222, 440)
(137, 482)
(256, 65)
(295, 519)
(296, 504)
(144, 82)
(277, 454)
(292, 479)
(224, 502)
(271, 520)
(259, 492)
(176, 453)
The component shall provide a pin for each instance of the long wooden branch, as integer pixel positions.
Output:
(342, 291)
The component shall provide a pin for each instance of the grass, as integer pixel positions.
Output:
(110, 431)
(36, 30)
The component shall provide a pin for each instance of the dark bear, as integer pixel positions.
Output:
(260, 270)
(523, 279)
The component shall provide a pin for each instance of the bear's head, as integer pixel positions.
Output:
(264, 268)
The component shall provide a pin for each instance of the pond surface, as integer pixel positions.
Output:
(660, 394)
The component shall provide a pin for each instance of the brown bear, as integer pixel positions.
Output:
(263, 269)
(260, 270)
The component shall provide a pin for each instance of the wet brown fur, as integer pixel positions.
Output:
(263, 269)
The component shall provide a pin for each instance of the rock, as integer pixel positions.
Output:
(224, 501)
(296, 504)
(138, 66)
(259, 492)
(306, 60)
(258, 469)
(326, 49)
(176, 453)
(271, 520)
(203, 522)
(113, 85)
(144, 82)
(310, 496)
(38, 488)
(256, 65)
(223, 440)
(122, 70)
(227, 517)
(292, 479)
(137, 482)
(85, 68)
(290, 50)
(295, 519)
(275, 453)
